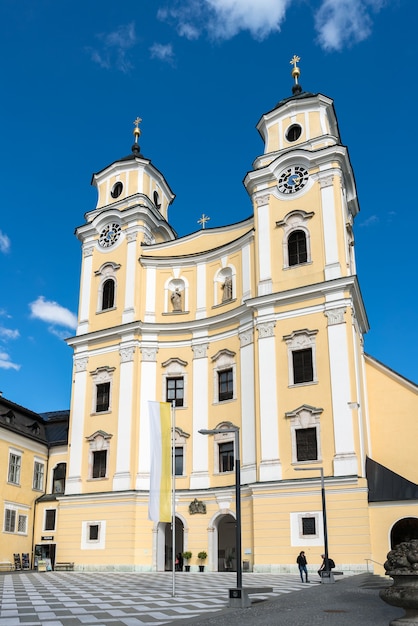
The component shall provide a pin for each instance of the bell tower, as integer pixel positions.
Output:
(305, 202)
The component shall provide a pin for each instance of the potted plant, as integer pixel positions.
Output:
(187, 556)
(202, 556)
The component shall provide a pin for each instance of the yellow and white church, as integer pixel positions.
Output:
(257, 325)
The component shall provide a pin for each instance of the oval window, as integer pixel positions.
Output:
(293, 132)
(117, 190)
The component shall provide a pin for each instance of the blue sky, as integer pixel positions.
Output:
(200, 73)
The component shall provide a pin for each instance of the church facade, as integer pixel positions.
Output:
(257, 325)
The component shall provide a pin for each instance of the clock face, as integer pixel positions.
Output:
(292, 179)
(109, 235)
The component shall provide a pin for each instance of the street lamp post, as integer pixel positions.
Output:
(324, 508)
(237, 462)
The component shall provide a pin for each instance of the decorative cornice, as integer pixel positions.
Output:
(200, 350)
(246, 337)
(88, 251)
(80, 364)
(149, 353)
(266, 329)
(335, 316)
(127, 354)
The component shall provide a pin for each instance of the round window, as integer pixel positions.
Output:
(293, 132)
(117, 190)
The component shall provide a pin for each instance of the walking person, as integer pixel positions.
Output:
(302, 564)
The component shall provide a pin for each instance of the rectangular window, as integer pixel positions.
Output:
(9, 520)
(99, 464)
(178, 460)
(14, 468)
(50, 516)
(306, 444)
(225, 385)
(102, 397)
(93, 531)
(22, 524)
(226, 456)
(308, 526)
(38, 476)
(175, 390)
(302, 366)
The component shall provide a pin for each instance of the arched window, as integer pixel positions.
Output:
(297, 248)
(108, 297)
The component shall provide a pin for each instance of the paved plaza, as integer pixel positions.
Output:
(135, 599)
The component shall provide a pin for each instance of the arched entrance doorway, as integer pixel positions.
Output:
(168, 543)
(226, 544)
(404, 530)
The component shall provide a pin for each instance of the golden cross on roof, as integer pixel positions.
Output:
(203, 220)
(296, 69)
(137, 130)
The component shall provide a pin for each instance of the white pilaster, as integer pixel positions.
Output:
(201, 291)
(246, 271)
(122, 477)
(199, 478)
(85, 291)
(248, 432)
(264, 245)
(73, 481)
(150, 277)
(270, 466)
(147, 392)
(331, 238)
(131, 263)
(345, 460)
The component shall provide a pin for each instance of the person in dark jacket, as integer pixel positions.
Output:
(326, 566)
(302, 564)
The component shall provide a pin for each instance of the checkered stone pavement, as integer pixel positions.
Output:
(122, 598)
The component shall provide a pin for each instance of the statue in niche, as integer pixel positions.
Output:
(227, 289)
(176, 300)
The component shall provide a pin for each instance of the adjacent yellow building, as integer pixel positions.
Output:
(258, 324)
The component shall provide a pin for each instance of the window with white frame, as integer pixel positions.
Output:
(102, 389)
(305, 433)
(50, 519)
(224, 376)
(99, 447)
(308, 525)
(38, 475)
(93, 535)
(9, 520)
(106, 296)
(296, 238)
(180, 438)
(301, 350)
(175, 382)
(22, 524)
(15, 463)
(224, 449)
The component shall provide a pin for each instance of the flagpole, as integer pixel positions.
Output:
(173, 496)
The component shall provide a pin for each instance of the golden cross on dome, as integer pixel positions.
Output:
(137, 130)
(296, 69)
(203, 220)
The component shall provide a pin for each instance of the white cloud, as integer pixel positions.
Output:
(4, 243)
(113, 49)
(223, 19)
(6, 363)
(339, 23)
(342, 23)
(8, 333)
(52, 312)
(373, 219)
(162, 52)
